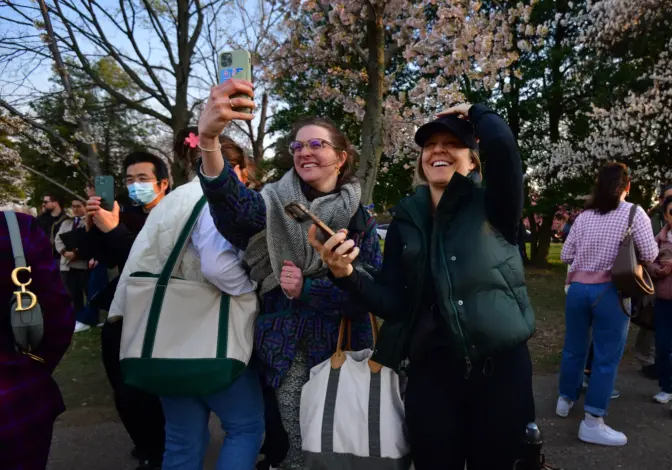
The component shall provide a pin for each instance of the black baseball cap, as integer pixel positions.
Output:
(665, 188)
(461, 128)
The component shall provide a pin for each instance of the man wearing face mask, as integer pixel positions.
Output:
(109, 237)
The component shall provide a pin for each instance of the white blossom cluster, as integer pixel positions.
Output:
(635, 130)
(465, 40)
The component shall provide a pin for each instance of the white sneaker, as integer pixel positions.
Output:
(663, 397)
(79, 327)
(594, 431)
(563, 407)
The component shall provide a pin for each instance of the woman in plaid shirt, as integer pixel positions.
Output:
(30, 400)
(592, 300)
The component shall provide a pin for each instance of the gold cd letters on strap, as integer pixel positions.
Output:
(23, 292)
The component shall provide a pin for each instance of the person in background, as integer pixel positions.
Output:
(645, 349)
(30, 400)
(51, 219)
(453, 296)
(108, 238)
(301, 308)
(661, 271)
(593, 302)
(276, 440)
(187, 154)
(98, 279)
(253, 175)
(74, 269)
(209, 258)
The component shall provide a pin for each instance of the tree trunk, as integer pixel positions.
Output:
(556, 109)
(258, 141)
(556, 96)
(372, 127)
(88, 148)
(180, 114)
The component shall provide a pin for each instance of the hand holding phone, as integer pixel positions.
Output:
(337, 252)
(105, 191)
(221, 107)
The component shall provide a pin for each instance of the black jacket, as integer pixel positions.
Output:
(112, 248)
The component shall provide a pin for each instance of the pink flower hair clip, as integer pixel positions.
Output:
(192, 141)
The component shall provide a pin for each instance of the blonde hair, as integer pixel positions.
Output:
(419, 177)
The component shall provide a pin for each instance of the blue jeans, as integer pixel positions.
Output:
(663, 325)
(89, 315)
(240, 409)
(595, 305)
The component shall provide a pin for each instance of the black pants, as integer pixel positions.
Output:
(480, 420)
(77, 283)
(276, 441)
(140, 412)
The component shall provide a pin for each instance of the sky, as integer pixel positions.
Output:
(22, 80)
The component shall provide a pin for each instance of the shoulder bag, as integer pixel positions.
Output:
(182, 337)
(25, 311)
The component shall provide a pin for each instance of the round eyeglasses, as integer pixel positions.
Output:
(312, 144)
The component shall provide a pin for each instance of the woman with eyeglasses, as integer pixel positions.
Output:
(301, 308)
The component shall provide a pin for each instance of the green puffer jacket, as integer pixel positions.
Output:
(475, 266)
(477, 274)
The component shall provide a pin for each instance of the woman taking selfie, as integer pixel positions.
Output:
(301, 308)
(452, 294)
(593, 302)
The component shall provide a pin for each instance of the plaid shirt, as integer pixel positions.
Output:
(29, 398)
(592, 244)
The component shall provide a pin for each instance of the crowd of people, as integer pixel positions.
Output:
(450, 290)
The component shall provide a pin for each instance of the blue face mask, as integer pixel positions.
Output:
(142, 193)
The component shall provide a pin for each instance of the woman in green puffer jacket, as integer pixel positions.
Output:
(453, 296)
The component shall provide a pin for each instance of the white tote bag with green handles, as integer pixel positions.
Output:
(181, 337)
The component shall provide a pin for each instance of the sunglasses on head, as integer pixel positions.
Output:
(312, 144)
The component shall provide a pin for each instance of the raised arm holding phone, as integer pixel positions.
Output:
(452, 292)
(302, 308)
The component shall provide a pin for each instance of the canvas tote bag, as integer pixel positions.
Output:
(352, 414)
(180, 337)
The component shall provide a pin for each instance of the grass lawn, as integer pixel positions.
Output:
(88, 396)
(81, 377)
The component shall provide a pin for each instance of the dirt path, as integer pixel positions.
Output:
(105, 446)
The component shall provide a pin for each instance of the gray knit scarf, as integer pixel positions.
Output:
(284, 239)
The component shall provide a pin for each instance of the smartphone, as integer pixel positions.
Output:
(236, 64)
(301, 214)
(105, 190)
